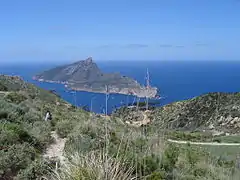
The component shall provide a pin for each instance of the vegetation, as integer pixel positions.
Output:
(228, 139)
(189, 136)
(97, 147)
(213, 111)
(2, 87)
(24, 135)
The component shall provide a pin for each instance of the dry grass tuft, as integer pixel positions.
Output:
(91, 166)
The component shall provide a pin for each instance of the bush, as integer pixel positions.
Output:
(159, 175)
(64, 128)
(150, 164)
(170, 157)
(192, 156)
(16, 157)
(228, 139)
(3, 114)
(31, 117)
(3, 87)
(11, 112)
(41, 133)
(81, 144)
(13, 133)
(189, 136)
(37, 169)
(200, 172)
(15, 97)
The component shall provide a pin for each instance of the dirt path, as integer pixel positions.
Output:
(4, 92)
(204, 143)
(55, 150)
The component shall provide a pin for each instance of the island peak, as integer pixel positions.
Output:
(85, 75)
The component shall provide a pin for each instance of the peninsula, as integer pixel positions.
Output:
(85, 75)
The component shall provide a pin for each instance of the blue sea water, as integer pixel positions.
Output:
(176, 80)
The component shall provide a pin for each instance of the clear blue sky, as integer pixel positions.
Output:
(61, 30)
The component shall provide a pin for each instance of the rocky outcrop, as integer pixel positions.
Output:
(134, 116)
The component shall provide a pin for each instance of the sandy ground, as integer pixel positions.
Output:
(55, 150)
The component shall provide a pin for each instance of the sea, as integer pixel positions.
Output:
(176, 80)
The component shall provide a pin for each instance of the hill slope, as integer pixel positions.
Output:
(86, 76)
(24, 135)
(213, 111)
(92, 145)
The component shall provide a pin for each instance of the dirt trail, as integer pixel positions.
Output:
(4, 92)
(204, 143)
(55, 150)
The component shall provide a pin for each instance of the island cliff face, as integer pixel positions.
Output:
(86, 76)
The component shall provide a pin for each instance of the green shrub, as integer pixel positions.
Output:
(192, 156)
(170, 157)
(218, 140)
(159, 175)
(16, 157)
(37, 169)
(3, 114)
(13, 133)
(223, 162)
(64, 128)
(140, 144)
(31, 117)
(81, 144)
(15, 97)
(41, 133)
(8, 138)
(228, 139)
(200, 172)
(150, 164)
(189, 136)
(10, 112)
(3, 87)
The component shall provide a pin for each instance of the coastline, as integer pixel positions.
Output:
(139, 92)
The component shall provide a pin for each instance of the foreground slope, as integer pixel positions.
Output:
(86, 76)
(24, 135)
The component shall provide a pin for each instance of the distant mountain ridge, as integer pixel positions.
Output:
(85, 75)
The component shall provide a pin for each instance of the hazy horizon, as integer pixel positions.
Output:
(67, 31)
(117, 62)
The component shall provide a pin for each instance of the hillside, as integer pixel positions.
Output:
(216, 112)
(24, 135)
(89, 146)
(213, 111)
(86, 76)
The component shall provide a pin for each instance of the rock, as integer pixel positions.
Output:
(217, 133)
(211, 126)
(221, 119)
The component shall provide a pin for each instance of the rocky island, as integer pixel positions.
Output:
(85, 75)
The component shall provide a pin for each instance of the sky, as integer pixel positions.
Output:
(68, 30)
